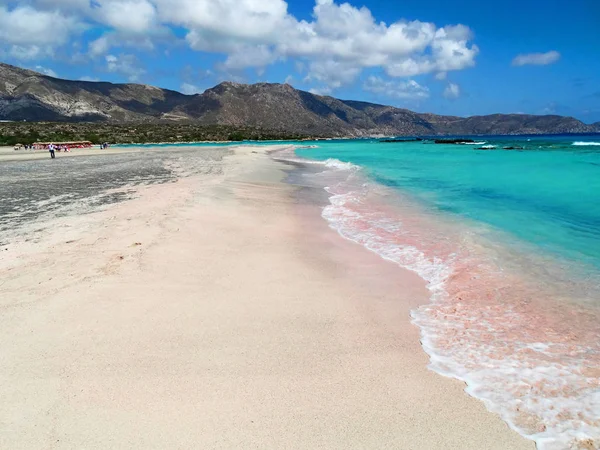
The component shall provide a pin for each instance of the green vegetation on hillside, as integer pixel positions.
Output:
(12, 133)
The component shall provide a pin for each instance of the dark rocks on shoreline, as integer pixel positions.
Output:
(390, 141)
(454, 141)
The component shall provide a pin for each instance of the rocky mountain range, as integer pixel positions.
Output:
(31, 96)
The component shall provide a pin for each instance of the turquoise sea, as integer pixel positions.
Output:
(508, 241)
(547, 194)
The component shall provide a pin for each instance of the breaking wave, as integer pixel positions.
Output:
(584, 143)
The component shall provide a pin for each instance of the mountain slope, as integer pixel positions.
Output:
(280, 106)
(28, 95)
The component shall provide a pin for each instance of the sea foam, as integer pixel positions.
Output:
(584, 143)
(484, 325)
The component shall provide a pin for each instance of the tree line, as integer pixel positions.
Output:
(12, 133)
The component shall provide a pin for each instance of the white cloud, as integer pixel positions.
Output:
(250, 56)
(28, 33)
(99, 46)
(46, 71)
(88, 78)
(104, 43)
(343, 33)
(452, 91)
(406, 90)
(126, 23)
(111, 61)
(27, 26)
(333, 47)
(256, 21)
(190, 89)
(255, 33)
(538, 59)
(29, 51)
(332, 73)
(289, 79)
(125, 65)
(132, 16)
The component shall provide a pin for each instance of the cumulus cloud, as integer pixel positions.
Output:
(133, 16)
(334, 45)
(405, 90)
(28, 33)
(537, 59)
(125, 65)
(244, 21)
(25, 52)
(255, 33)
(99, 46)
(332, 73)
(452, 91)
(104, 43)
(27, 26)
(257, 56)
(344, 33)
(126, 23)
(127, 15)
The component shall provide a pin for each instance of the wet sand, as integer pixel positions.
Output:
(220, 311)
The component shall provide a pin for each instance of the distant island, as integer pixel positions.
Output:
(228, 111)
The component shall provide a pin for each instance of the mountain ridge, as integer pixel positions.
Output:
(29, 95)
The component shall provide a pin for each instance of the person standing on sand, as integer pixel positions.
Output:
(51, 149)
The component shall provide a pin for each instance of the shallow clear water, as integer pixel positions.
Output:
(548, 194)
(509, 244)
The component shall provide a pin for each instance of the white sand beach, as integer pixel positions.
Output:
(219, 312)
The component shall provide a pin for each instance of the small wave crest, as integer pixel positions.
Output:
(585, 144)
(289, 155)
(333, 163)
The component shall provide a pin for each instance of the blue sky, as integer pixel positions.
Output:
(461, 57)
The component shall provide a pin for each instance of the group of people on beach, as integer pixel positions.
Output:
(53, 148)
